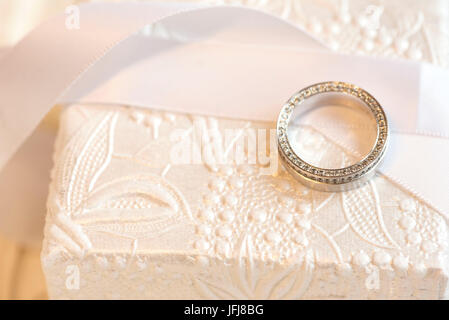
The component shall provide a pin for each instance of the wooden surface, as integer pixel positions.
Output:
(21, 274)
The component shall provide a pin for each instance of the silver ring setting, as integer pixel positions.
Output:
(332, 180)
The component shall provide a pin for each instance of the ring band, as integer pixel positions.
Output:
(332, 180)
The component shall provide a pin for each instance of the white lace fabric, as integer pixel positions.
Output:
(127, 218)
(404, 29)
(410, 29)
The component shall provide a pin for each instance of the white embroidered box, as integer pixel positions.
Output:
(125, 223)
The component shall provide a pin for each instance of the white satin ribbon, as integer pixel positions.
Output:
(237, 63)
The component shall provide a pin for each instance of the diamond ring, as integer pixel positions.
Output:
(332, 180)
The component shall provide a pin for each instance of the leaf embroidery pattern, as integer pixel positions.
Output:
(251, 279)
(83, 160)
(363, 212)
(134, 207)
(146, 206)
